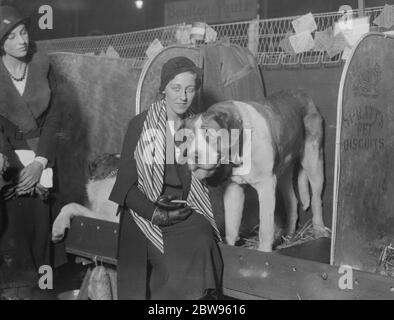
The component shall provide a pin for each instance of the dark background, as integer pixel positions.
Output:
(74, 18)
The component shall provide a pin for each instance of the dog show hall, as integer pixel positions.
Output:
(184, 150)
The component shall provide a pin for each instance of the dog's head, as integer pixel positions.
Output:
(212, 138)
(104, 166)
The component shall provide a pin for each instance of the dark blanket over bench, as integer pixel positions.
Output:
(97, 97)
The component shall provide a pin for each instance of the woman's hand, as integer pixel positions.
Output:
(29, 177)
(41, 191)
(163, 218)
(168, 212)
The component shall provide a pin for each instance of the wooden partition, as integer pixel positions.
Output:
(365, 166)
(322, 83)
(97, 98)
(250, 274)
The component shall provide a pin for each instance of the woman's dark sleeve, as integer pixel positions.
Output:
(7, 150)
(125, 191)
(50, 128)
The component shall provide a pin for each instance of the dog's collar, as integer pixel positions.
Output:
(235, 163)
(112, 174)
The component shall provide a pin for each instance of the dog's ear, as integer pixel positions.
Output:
(103, 165)
(227, 117)
(224, 115)
(189, 122)
(92, 166)
(222, 173)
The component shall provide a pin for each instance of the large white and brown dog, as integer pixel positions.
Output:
(284, 131)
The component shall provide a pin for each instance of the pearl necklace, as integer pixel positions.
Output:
(21, 78)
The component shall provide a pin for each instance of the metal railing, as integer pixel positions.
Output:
(265, 43)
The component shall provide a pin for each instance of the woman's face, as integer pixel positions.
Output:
(179, 94)
(17, 42)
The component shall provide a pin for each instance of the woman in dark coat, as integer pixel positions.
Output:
(164, 253)
(29, 123)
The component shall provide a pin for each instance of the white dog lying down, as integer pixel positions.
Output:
(286, 130)
(103, 174)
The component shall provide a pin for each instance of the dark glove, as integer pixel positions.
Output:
(166, 202)
(163, 218)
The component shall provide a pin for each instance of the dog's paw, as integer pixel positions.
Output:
(57, 234)
(265, 248)
(60, 225)
(231, 240)
(320, 231)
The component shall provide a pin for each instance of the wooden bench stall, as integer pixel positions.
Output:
(312, 270)
(299, 273)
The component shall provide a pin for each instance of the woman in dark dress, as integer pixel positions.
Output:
(164, 253)
(28, 122)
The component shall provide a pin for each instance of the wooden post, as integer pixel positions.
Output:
(76, 24)
(361, 8)
(253, 36)
(263, 9)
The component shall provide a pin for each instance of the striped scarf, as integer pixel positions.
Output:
(150, 158)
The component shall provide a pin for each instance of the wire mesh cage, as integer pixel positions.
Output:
(267, 42)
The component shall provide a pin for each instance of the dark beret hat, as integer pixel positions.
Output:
(178, 65)
(9, 19)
